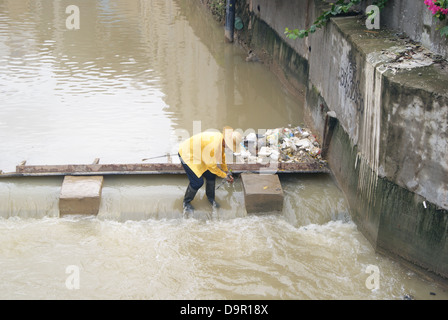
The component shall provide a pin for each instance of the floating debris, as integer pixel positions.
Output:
(292, 144)
(251, 57)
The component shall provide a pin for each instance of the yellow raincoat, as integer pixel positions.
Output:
(204, 152)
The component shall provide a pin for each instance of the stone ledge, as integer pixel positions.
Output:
(263, 193)
(80, 195)
(419, 70)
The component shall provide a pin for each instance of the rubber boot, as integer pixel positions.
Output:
(189, 196)
(210, 192)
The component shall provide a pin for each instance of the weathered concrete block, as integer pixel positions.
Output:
(80, 195)
(262, 193)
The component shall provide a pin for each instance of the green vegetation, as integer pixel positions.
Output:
(337, 8)
(439, 9)
(218, 8)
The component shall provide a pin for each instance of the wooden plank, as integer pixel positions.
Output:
(155, 168)
(162, 167)
(92, 168)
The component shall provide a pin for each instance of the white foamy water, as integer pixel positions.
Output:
(140, 247)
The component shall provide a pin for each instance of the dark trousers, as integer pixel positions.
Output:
(195, 182)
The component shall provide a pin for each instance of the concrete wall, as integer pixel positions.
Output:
(410, 17)
(414, 19)
(389, 151)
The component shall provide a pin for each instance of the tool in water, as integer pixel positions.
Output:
(224, 180)
(158, 157)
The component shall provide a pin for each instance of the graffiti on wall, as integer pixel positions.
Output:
(351, 86)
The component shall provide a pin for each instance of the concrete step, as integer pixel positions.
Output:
(80, 195)
(263, 193)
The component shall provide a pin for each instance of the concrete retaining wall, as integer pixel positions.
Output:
(414, 19)
(410, 17)
(389, 151)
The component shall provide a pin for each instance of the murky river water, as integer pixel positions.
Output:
(123, 87)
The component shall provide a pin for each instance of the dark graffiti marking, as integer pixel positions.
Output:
(351, 85)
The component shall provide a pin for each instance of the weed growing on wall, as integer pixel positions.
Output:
(337, 8)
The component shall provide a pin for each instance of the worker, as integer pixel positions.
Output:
(200, 156)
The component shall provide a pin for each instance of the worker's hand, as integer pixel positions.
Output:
(229, 177)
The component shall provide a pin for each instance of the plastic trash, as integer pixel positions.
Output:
(275, 154)
(251, 137)
(238, 23)
(303, 143)
(292, 144)
(264, 152)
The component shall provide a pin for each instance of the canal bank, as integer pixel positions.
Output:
(388, 151)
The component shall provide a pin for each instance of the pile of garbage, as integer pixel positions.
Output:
(289, 145)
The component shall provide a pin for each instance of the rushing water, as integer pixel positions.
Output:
(121, 88)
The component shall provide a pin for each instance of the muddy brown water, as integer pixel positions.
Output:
(126, 85)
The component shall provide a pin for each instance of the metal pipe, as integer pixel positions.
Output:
(230, 20)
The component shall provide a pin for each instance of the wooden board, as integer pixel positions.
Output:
(154, 168)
